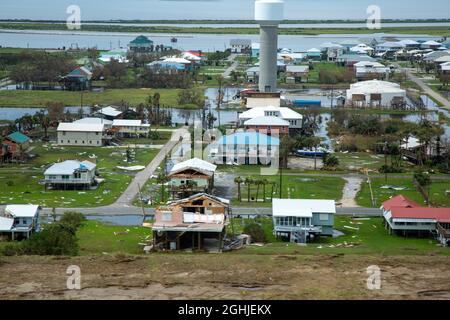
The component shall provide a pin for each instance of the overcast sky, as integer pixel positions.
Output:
(219, 9)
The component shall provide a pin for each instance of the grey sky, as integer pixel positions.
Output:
(219, 9)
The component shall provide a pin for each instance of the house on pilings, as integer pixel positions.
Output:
(195, 223)
(191, 177)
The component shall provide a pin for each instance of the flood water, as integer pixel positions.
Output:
(205, 42)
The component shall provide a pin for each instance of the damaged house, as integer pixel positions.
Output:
(195, 223)
(191, 177)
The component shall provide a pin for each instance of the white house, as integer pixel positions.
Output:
(80, 134)
(21, 220)
(70, 174)
(366, 70)
(107, 123)
(240, 45)
(130, 127)
(375, 93)
(109, 113)
(300, 219)
(293, 118)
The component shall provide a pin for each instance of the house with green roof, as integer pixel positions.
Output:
(14, 146)
(78, 79)
(141, 44)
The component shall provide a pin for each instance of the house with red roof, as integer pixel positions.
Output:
(404, 216)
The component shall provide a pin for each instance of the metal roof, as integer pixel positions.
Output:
(110, 111)
(285, 113)
(69, 167)
(196, 164)
(94, 121)
(399, 201)
(22, 210)
(18, 137)
(80, 127)
(129, 123)
(249, 138)
(290, 208)
(6, 224)
(266, 121)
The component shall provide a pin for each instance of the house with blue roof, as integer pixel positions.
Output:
(244, 148)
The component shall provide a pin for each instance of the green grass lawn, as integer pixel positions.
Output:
(98, 238)
(437, 192)
(294, 187)
(29, 98)
(313, 76)
(25, 179)
(370, 238)
(164, 137)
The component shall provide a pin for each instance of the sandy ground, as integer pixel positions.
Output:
(351, 189)
(226, 276)
(304, 163)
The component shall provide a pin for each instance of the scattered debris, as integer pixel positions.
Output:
(353, 228)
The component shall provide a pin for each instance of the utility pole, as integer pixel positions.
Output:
(281, 181)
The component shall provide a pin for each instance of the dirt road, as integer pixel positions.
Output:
(226, 276)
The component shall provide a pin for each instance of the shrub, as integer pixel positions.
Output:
(255, 231)
(390, 169)
(330, 161)
(72, 219)
(55, 239)
(12, 249)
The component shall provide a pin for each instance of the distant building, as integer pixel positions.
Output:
(252, 74)
(376, 94)
(195, 223)
(296, 74)
(191, 177)
(109, 113)
(300, 220)
(349, 60)
(19, 221)
(389, 46)
(366, 70)
(430, 45)
(255, 50)
(119, 55)
(70, 174)
(240, 45)
(14, 146)
(268, 125)
(78, 80)
(293, 118)
(314, 54)
(141, 44)
(244, 148)
(81, 134)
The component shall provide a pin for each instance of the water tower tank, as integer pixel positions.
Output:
(269, 11)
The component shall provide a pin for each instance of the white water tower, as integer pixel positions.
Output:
(268, 14)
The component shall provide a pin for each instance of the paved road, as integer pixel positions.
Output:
(237, 211)
(428, 90)
(233, 66)
(127, 197)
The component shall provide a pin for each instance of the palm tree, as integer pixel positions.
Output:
(258, 183)
(238, 181)
(248, 182)
(264, 183)
(162, 179)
